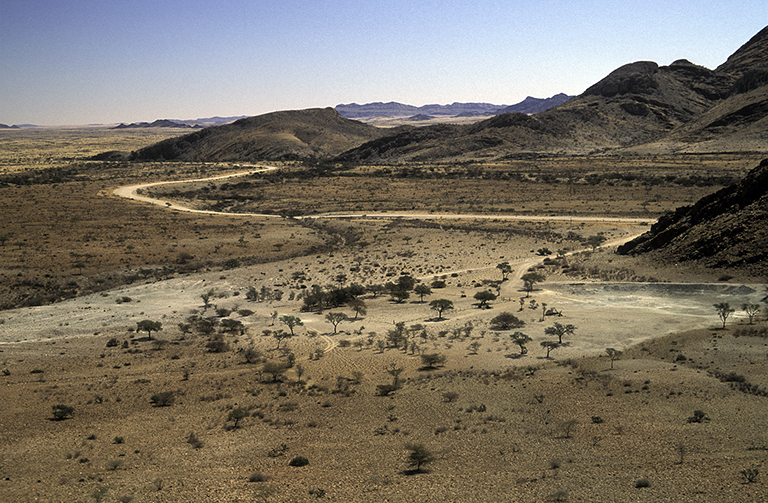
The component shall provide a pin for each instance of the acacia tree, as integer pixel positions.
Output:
(236, 415)
(335, 319)
(421, 290)
(207, 296)
(559, 330)
(291, 322)
(613, 354)
(275, 368)
(280, 335)
(521, 340)
(358, 306)
(484, 298)
(529, 281)
(418, 456)
(724, 310)
(441, 305)
(506, 321)
(400, 296)
(751, 310)
(505, 269)
(432, 360)
(595, 241)
(149, 326)
(549, 346)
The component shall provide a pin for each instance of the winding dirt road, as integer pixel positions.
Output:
(132, 192)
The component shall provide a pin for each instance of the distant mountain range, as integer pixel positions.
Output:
(187, 123)
(6, 126)
(158, 123)
(394, 109)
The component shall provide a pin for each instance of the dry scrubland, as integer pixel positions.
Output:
(501, 426)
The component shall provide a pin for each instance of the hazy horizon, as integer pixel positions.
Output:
(92, 62)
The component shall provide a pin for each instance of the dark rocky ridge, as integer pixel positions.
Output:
(727, 229)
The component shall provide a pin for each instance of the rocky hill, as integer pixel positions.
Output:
(319, 133)
(727, 229)
(531, 105)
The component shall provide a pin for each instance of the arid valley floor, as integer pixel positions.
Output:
(501, 426)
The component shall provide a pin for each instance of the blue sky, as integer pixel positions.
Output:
(103, 61)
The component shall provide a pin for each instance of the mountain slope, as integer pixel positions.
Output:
(275, 136)
(727, 229)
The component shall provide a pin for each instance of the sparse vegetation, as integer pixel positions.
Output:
(61, 411)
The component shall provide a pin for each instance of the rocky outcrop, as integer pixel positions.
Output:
(726, 229)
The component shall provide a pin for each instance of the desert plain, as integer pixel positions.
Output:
(82, 266)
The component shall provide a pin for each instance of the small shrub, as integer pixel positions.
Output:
(119, 440)
(558, 496)
(699, 416)
(163, 399)
(641, 483)
(112, 343)
(114, 464)
(450, 396)
(258, 477)
(194, 441)
(298, 461)
(750, 475)
(61, 411)
(317, 493)
(277, 451)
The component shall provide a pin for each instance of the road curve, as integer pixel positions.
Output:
(131, 192)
